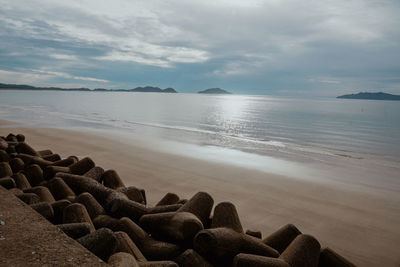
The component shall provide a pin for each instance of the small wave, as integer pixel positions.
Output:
(196, 130)
(164, 126)
(348, 156)
(276, 143)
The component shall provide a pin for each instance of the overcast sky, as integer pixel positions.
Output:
(277, 47)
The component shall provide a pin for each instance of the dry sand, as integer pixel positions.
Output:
(359, 218)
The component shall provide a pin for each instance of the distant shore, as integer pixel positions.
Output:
(145, 89)
(371, 96)
(141, 89)
(358, 218)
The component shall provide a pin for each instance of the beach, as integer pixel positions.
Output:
(352, 211)
(203, 133)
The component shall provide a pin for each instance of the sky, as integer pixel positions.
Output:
(274, 47)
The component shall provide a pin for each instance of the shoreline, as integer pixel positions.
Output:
(359, 132)
(358, 219)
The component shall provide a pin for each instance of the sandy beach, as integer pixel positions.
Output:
(358, 217)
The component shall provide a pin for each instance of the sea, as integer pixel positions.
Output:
(220, 126)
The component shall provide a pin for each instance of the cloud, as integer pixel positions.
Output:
(132, 38)
(39, 76)
(264, 45)
(157, 56)
(68, 76)
(324, 80)
(63, 56)
(22, 78)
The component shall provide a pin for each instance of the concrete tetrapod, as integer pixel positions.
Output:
(11, 151)
(5, 169)
(101, 243)
(329, 258)
(119, 206)
(168, 199)
(93, 207)
(69, 165)
(34, 174)
(104, 195)
(11, 138)
(7, 182)
(122, 259)
(16, 164)
(77, 213)
(4, 157)
(164, 208)
(152, 249)
(281, 238)
(80, 184)
(20, 137)
(21, 181)
(221, 245)
(43, 193)
(225, 215)
(200, 205)
(66, 162)
(112, 180)
(44, 209)
(75, 230)
(52, 157)
(105, 221)
(29, 160)
(158, 264)
(45, 152)
(254, 233)
(125, 244)
(116, 203)
(24, 148)
(191, 258)
(302, 252)
(96, 173)
(82, 166)
(245, 260)
(58, 208)
(177, 227)
(133, 193)
(60, 190)
(29, 198)
(3, 144)
(49, 172)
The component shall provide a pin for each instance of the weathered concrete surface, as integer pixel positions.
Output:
(27, 239)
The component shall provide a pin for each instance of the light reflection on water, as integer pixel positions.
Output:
(249, 123)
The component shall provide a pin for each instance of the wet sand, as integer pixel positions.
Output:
(357, 217)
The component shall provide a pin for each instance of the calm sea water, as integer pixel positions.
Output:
(255, 124)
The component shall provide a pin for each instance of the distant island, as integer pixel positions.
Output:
(146, 89)
(218, 91)
(371, 96)
(153, 90)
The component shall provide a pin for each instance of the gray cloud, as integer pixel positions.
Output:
(265, 46)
